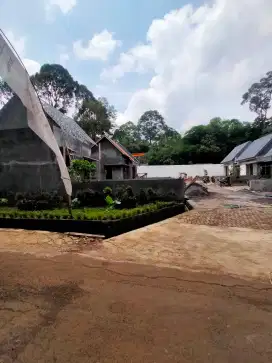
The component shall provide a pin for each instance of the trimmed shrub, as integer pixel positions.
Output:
(142, 197)
(107, 191)
(90, 198)
(3, 202)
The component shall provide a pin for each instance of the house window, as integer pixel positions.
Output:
(250, 169)
(109, 173)
(265, 170)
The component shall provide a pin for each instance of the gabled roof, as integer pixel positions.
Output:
(255, 148)
(118, 146)
(268, 155)
(236, 152)
(67, 124)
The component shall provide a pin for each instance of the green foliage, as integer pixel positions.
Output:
(96, 117)
(110, 202)
(5, 92)
(81, 170)
(90, 198)
(86, 213)
(142, 198)
(55, 85)
(107, 191)
(151, 125)
(38, 201)
(3, 202)
(259, 98)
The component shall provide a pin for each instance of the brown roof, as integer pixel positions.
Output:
(118, 146)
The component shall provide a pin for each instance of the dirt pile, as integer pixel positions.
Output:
(196, 190)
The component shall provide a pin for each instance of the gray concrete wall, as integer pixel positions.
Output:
(26, 163)
(161, 185)
(117, 173)
(261, 185)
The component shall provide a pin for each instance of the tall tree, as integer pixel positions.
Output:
(55, 85)
(129, 136)
(151, 125)
(96, 117)
(82, 93)
(259, 98)
(5, 92)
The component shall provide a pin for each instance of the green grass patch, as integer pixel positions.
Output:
(99, 214)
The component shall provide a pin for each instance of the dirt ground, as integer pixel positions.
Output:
(69, 308)
(169, 292)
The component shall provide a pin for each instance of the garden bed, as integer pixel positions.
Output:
(95, 221)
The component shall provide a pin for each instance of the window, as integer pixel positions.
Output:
(250, 169)
(265, 170)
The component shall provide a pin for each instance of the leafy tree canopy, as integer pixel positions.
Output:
(96, 117)
(259, 98)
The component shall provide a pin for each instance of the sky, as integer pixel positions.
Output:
(190, 60)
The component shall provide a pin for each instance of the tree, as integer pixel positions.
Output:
(55, 85)
(5, 92)
(259, 98)
(128, 135)
(96, 117)
(151, 125)
(82, 93)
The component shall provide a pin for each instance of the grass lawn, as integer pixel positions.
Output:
(83, 213)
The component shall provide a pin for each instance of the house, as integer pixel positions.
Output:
(229, 161)
(252, 158)
(69, 135)
(26, 162)
(116, 162)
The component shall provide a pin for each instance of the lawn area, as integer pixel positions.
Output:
(84, 213)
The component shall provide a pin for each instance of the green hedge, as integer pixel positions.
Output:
(84, 214)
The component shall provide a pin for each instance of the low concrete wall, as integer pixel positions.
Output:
(261, 185)
(161, 185)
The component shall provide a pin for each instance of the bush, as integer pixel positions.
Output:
(90, 198)
(107, 191)
(142, 198)
(3, 202)
(27, 205)
(81, 170)
(152, 195)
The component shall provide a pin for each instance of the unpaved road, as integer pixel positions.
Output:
(69, 308)
(212, 304)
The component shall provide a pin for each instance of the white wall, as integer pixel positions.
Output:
(173, 171)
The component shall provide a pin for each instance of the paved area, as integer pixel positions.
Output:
(69, 308)
(256, 218)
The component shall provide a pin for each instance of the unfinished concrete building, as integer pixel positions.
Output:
(26, 162)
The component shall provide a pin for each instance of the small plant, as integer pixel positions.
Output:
(142, 197)
(107, 191)
(81, 170)
(3, 201)
(75, 203)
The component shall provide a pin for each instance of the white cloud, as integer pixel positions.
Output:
(65, 6)
(138, 59)
(19, 44)
(31, 65)
(99, 47)
(203, 59)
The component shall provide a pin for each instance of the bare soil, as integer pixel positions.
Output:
(69, 308)
(190, 292)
